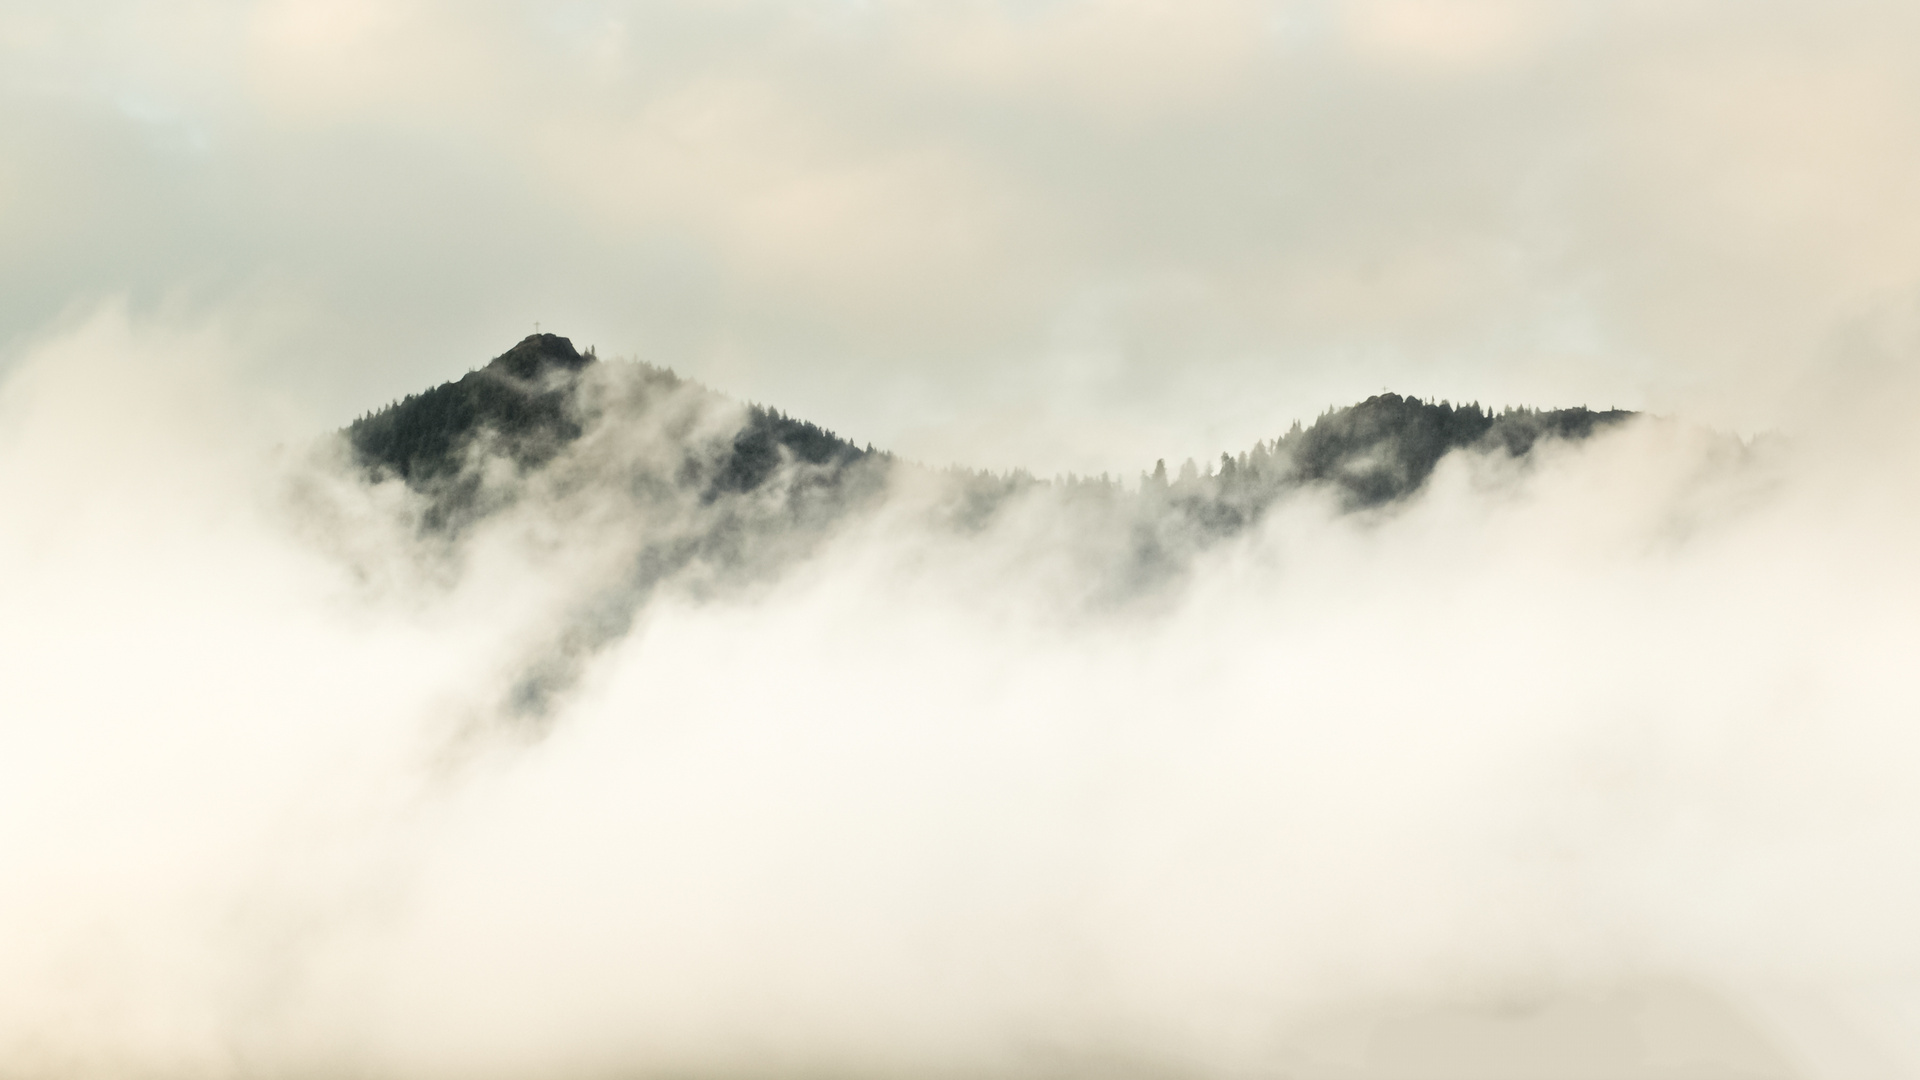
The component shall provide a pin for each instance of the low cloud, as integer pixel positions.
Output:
(1619, 730)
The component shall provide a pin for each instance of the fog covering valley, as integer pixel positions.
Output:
(588, 722)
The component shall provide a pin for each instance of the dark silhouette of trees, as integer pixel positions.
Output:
(521, 397)
(1382, 449)
(718, 503)
(524, 406)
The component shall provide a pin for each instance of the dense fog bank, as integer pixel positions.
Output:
(297, 780)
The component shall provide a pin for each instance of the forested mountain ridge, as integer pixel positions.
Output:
(521, 396)
(524, 406)
(638, 478)
(634, 476)
(528, 404)
(1371, 454)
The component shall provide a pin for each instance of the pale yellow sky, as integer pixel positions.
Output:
(1071, 235)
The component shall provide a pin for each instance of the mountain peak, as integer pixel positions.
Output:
(538, 354)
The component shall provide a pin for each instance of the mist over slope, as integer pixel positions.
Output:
(728, 495)
(1589, 757)
(532, 401)
(467, 449)
(523, 406)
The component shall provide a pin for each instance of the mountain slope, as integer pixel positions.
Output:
(526, 405)
(536, 399)
(636, 479)
(1372, 454)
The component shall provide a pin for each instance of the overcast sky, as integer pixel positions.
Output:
(1071, 235)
